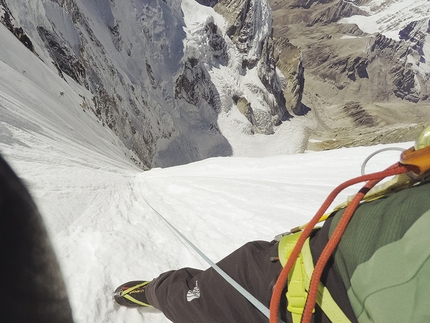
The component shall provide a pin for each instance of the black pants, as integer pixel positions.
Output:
(194, 296)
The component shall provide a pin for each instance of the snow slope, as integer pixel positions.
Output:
(97, 205)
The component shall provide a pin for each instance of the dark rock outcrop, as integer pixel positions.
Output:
(216, 42)
(7, 20)
(359, 116)
(289, 61)
(65, 60)
(194, 85)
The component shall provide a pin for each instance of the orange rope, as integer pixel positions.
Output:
(372, 180)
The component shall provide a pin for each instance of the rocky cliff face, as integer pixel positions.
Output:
(290, 62)
(249, 26)
(355, 78)
(153, 80)
(258, 49)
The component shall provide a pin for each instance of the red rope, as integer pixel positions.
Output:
(372, 180)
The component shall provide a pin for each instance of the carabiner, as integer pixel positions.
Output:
(418, 156)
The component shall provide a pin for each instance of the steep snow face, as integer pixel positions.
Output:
(159, 73)
(122, 53)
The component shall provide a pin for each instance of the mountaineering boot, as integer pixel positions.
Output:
(132, 294)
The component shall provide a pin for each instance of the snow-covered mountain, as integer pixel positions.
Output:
(63, 132)
(166, 77)
(180, 81)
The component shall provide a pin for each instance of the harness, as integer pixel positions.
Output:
(304, 286)
(299, 281)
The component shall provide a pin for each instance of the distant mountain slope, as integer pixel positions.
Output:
(366, 65)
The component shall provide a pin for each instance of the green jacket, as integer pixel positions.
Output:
(383, 258)
(380, 271)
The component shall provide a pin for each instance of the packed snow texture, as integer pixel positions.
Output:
(97, 205)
